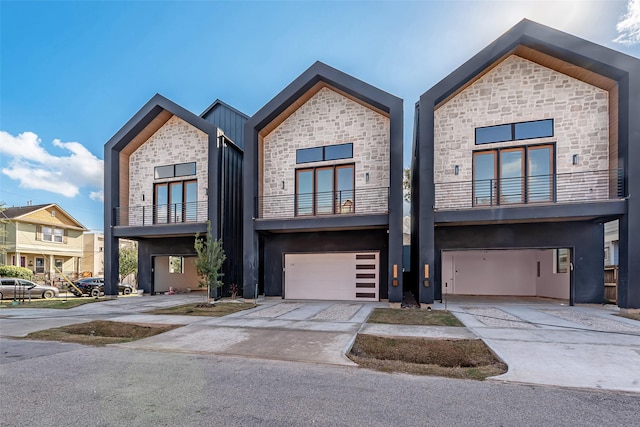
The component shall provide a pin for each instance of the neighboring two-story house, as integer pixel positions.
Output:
(44, 239)
(167, 173)
(520, 155)
(323, 191)
(93, 254)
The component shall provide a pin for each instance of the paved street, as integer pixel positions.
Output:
(54, 384)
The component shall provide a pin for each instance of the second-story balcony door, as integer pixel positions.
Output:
(325, 190)
(514, 175)
(176, 202)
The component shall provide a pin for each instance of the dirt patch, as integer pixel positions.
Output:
(634, 316)
(59, 303)
(399, 316)
(470, 359)
(203, 309)
(101, 332)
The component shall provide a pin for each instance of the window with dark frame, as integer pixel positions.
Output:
(176, 170)
(514, 131)
(325, 190)
(328, 152)
(176, 201)
(507, 175)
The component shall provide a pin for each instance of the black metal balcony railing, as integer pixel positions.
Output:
(557, 188)
(364, 201)
(173, 213)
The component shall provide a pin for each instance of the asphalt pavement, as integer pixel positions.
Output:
(542, 341)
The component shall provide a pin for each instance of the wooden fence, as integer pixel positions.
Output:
(611, 283)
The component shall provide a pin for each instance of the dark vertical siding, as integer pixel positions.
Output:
(230, 121)
(230, 224)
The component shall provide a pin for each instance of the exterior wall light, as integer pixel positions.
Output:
(456, 169)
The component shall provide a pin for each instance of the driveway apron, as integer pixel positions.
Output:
(582, 346)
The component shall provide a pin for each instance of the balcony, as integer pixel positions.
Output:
(364, 201)
(574, 187)
(175, 213)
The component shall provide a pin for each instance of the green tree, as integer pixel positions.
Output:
(406, 184)
(210, 257)
(128, 256)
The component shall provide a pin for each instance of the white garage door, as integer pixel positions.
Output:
(349, 276)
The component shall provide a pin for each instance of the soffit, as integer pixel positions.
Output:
(306, 97)
(551, 62)
(146, 133)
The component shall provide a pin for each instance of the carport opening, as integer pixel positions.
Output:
(507, 272)
(176, 271)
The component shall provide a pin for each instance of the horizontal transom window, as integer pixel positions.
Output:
(328, 152)
(171, 171)
(514, 131)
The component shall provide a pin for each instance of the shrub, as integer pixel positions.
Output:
(15, 271)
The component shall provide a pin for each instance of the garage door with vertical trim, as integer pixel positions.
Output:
(352, 276)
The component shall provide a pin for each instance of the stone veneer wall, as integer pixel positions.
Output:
(518, 90)
(327, 118)
(175, 142)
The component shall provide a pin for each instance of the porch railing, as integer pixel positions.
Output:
(363, 201)
(174, 213)
(557, 188)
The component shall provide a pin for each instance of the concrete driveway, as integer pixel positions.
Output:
(546, 342)
(542, 341)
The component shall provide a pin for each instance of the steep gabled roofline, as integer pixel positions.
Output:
(320, 72)
(154, 107)
(571, 49)
(36, 208)
(224, 104)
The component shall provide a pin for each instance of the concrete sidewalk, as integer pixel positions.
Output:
(542, 342)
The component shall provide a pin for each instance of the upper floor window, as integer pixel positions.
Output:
(514, 131)
(50, 234)
(514, 175)
(171, 171)
(328, 152)
(176, 202)
(325, 190)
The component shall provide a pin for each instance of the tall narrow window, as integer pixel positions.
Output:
(540, 172)
(484, 178)
(162, 203)
(304, 192)
(39, 265)
(324, 191)
(344, 189)
(511, 175)
(191, 200)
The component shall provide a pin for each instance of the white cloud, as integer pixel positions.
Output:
(97, 195)
(35, 168)
(629, 26)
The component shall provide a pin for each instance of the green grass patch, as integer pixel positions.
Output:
(634, 316)
(59, 303)
(101, 332)
(399, 316)
(218, 309)
(469, 359)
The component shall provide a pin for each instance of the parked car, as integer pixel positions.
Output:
(94, 286)
(20, 288)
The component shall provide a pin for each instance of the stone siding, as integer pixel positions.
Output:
(518, 90)
(175, 142)
(327, 118)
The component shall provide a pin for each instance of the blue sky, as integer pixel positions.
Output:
(73, 73)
